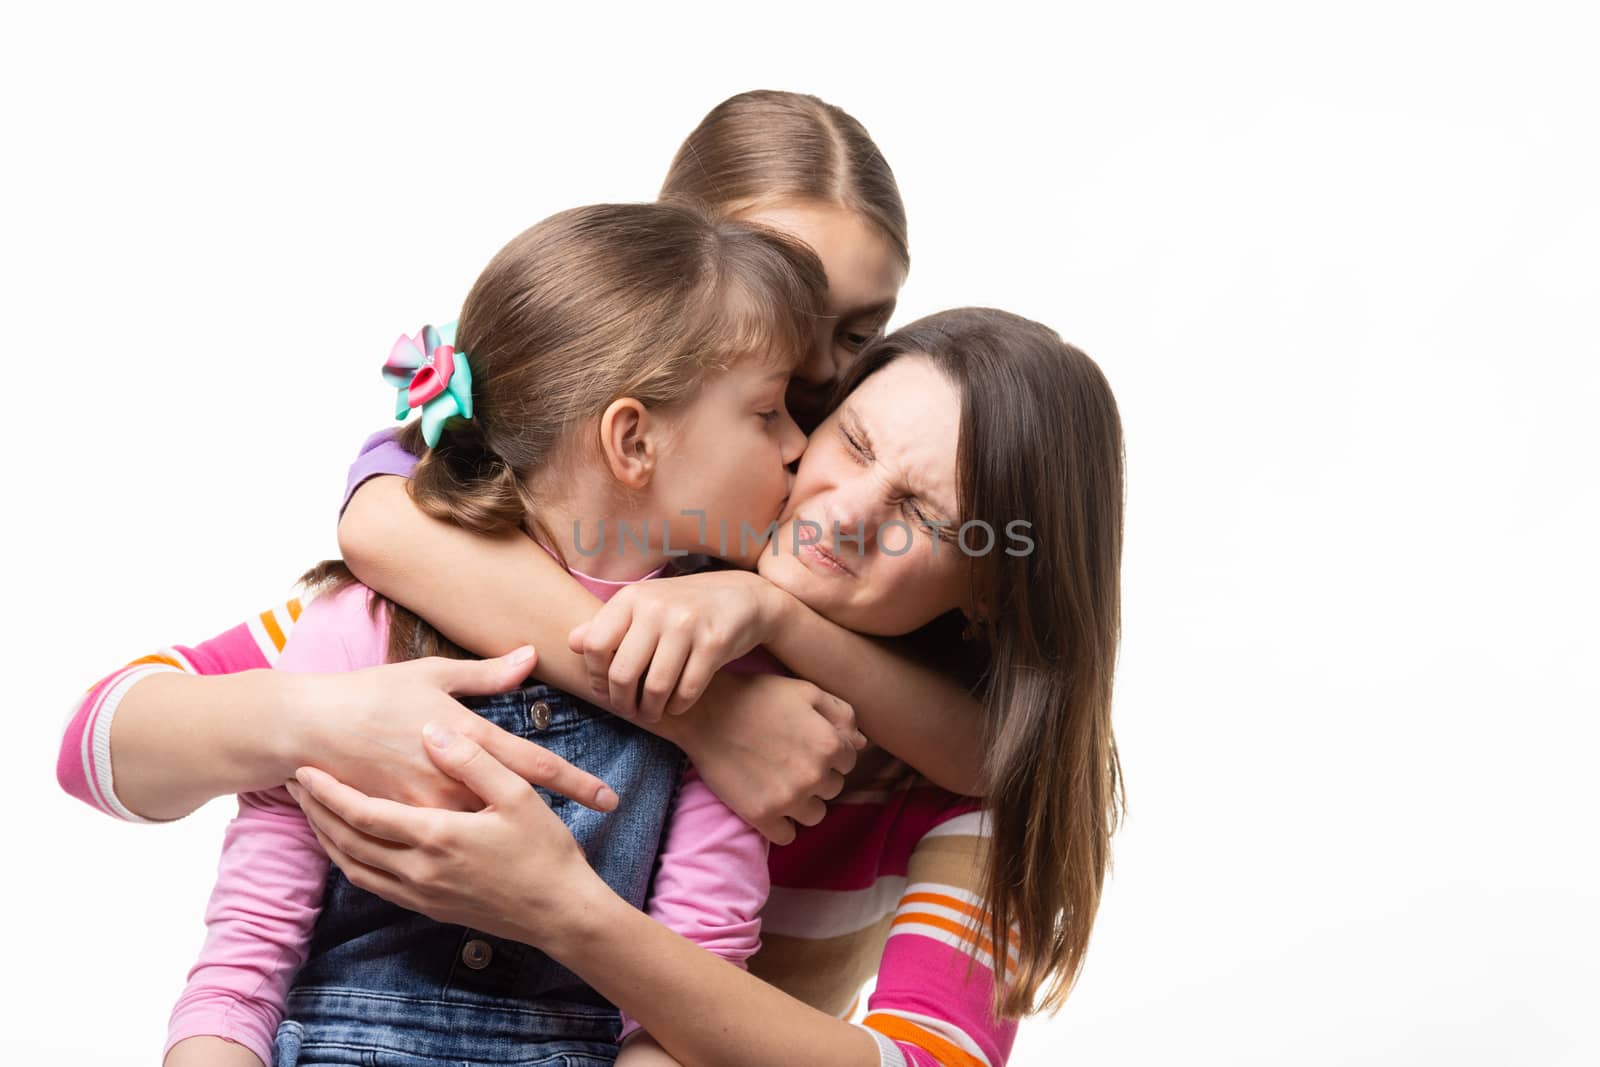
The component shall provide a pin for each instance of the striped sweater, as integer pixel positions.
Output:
(888, 885)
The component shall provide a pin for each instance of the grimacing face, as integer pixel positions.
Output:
(864, 278)
(887, 455)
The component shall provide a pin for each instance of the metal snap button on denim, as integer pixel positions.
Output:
(541, 714)
(477, 953)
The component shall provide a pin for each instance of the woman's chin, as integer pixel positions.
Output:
(786, 572)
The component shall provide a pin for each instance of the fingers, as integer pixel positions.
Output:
(842, 716)
(364, 848)
(843, 759)
(843, 719)
(809, 811)
(628, 666)
(465, 760)
(778, 830)
(830, 786)
(381, 819)
(362, 876)
(602, 635)
(693, 681)
(540, 766)
(662, 678)
(464, 677)
(576, 637)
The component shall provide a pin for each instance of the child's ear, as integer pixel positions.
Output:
(628, 443)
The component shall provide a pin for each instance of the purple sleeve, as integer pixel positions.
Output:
(380, 454)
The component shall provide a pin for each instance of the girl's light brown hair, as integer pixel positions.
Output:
(764, 148)
(1041, 441)
(588, 306)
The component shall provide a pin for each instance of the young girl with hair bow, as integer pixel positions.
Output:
(610, 356)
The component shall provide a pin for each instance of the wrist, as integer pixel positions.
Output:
(778, 614)
(681, 730)
(287, 730)
(583, 913)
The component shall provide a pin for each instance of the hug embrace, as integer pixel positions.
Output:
(765, 770)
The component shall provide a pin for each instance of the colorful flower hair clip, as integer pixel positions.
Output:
(430, 374)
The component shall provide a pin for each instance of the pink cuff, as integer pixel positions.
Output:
(231, 1020)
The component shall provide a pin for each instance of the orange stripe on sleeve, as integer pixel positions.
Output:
(274, 631)
(897, 1029)
(156, 658)
(294, 609)
(958, 905)
(928, 918)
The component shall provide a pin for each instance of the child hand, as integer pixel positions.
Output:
(653, 648)
(773, 749)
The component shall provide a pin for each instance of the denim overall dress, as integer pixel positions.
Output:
(386, 987)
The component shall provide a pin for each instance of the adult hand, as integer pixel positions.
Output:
(366, 727)
(772, 748)
(505, 869)
(654, 646)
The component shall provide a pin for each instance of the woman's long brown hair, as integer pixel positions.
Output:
(764, 148)
(1041, 442)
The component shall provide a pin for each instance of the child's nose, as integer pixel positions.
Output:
(794, 439)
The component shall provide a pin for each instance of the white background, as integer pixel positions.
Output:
(1339, 262)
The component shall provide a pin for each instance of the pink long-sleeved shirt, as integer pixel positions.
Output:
(271, 876)
(888, 884)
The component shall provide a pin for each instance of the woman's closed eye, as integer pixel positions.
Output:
(857, 446)
(943, 529)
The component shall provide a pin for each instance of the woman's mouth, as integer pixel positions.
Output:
(820, 559)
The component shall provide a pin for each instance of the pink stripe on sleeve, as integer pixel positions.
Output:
(83, 763)
(78, 771)
(928, 984)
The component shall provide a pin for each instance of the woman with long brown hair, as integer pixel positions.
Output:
(969, 913)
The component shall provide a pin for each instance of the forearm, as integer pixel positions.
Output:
(701, 1009)
(487, 594)
(916, 712)
(178, 740)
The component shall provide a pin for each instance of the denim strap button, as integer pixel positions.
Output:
(541, 714)
(477, 953)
